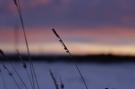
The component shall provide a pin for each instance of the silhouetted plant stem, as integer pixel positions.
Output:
(20, 77)
(3, 80)
(33, 73)
(14, 69)
(54, 79)
(24, 65)
(11, 75)
(68, 52)
(16, 38)
(61, 84)
(77, 68)
(17, 4)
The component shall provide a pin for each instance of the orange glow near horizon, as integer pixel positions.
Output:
(75, 48)
(105, 40)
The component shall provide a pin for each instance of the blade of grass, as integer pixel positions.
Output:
(68, 52)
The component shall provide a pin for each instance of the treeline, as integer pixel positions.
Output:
(75, 58)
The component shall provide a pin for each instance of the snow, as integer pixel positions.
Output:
(97, 75)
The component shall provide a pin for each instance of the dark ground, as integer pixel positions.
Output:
(76, 58)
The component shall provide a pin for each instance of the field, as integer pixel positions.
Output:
(98, 75)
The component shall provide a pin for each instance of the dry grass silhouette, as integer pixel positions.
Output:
(68, 52)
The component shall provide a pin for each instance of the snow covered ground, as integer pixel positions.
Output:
(97, 76)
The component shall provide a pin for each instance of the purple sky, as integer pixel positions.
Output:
(70, 12)
(107, 24)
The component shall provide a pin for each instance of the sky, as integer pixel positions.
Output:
(86, 26)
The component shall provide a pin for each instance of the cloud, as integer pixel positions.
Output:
(117, 40)
(72, 12)
(104, 35)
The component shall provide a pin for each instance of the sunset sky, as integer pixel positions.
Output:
(86, 26)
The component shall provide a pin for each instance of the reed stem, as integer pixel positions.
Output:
(11, 75)
(54, 79)
(69, 53)
(14, 69)
(32, 69)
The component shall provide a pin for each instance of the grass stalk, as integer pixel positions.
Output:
(69, 53)
(14, 69)
(11, 75)
(33, 73)
(25, 67)
(54, 79)
(61, 84)
(16, 36)
(8, 71)
(20, 77)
